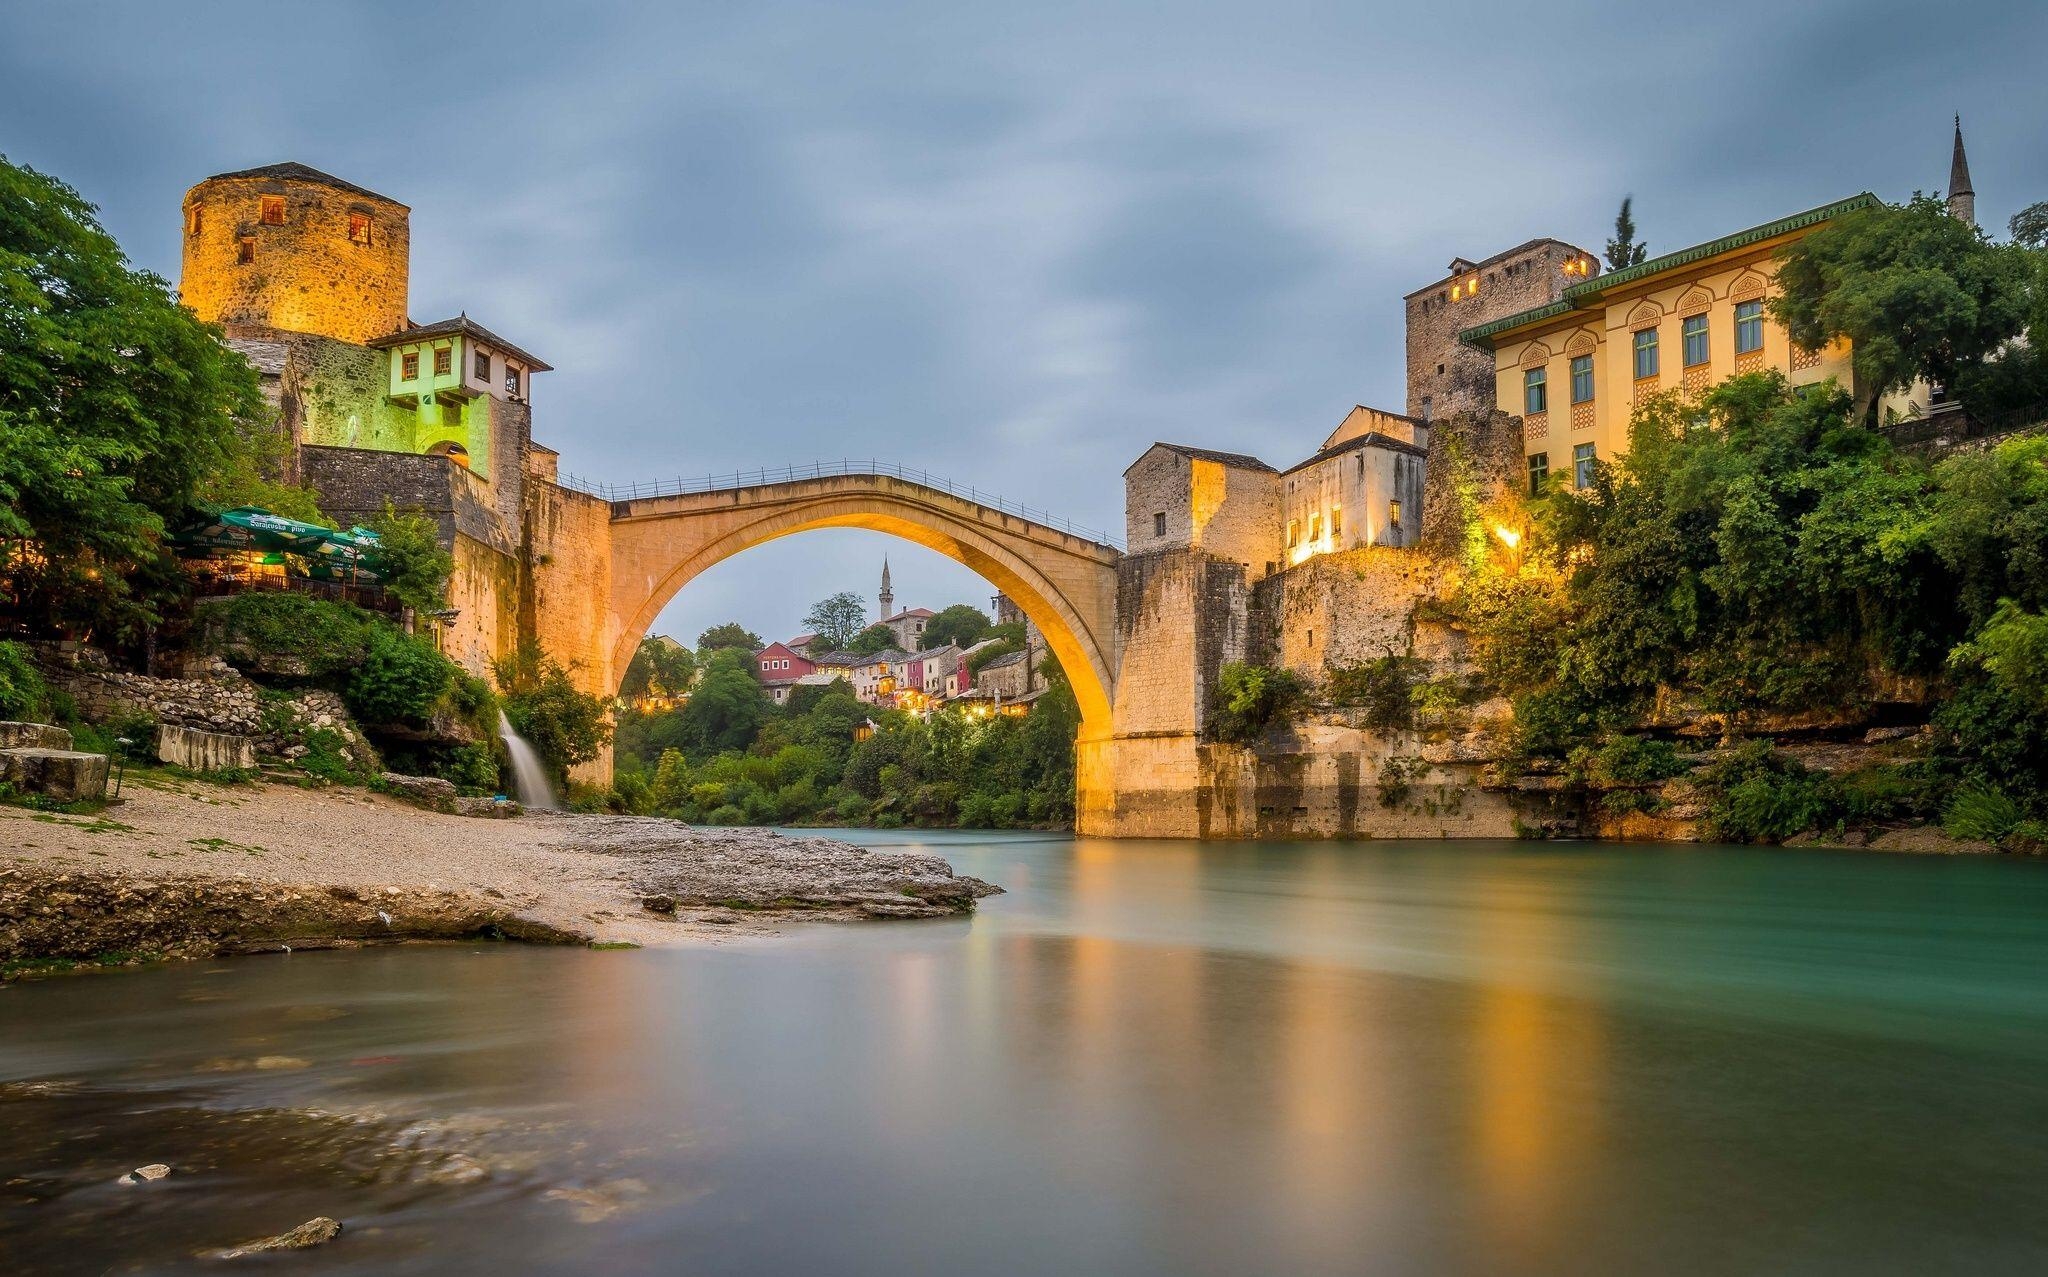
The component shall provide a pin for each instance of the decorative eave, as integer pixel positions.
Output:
(461, 325)
(1593, 291)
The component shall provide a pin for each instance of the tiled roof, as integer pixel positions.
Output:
(1585, 295)
(464, 325)
(1237, 459)
(292, 171)
(1370, 439)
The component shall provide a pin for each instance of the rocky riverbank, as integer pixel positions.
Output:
(182, 868)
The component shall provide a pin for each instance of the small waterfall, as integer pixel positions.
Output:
(528, 776)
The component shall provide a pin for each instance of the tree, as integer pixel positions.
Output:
(114, 404)
(660, 667)
(1918, 294)
(727, 709)
(960, 623)
(871, 640)
(2029, 226)
(729, 635)
(1625, 250)
(416, 568)
(837, 617)
(564, 725)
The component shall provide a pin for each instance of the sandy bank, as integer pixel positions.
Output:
(185, 867)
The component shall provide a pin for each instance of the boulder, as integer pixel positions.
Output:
(33, 736)
(487, 808)
(63, 775)
(314, 1232)
(204, 751)
(430, 792)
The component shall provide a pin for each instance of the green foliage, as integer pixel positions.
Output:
(416, 568)
(802, 764)
(1253, 699)
(729, 635)
(115, 403)
(836, 618)
(1625, 250)
(1980, 812)
(1635, 760)
(2029, 226)
(327, 638)
(727, 709)
(1762, 796)
(660, 667)
(325, 757)
(23, 694)
(1384, 686)
(1920, 294)
(399, 680)
(564, 725)
(871, 640)
(961, 623)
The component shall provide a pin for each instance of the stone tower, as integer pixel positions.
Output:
(888, 595)
(287, 248)
(1962, 199)
(1446, 377)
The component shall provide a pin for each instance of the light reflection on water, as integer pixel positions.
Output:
(1147, 1058)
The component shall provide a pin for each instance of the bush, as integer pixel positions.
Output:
(1760, 796)
(23, 694)
(1635, 760)
(1252, 699)
(399, 680)
(327, 639)
(1383, 686)
(565, 726)
(1982, 813)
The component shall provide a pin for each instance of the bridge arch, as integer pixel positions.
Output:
(1064, 582)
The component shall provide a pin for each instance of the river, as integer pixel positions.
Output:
(1147, 1058)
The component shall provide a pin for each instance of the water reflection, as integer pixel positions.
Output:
(1146, 1059)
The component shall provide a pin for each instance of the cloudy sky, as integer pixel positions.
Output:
(1012, 245)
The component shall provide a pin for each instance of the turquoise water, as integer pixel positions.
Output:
(1146, 1058)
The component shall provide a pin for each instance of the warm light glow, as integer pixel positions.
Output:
(1508, 536)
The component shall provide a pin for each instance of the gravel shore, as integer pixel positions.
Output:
(186, 867)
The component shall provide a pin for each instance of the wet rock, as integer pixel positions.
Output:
(658, 903)
(430, 792)
(758, 869)
(145, 1174)
(314, 1232)
(487, 808)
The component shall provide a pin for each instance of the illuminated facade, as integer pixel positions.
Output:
(1575, 368)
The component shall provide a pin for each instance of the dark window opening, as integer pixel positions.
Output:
(1159, 524)
(359, 228)
(245, 250)
(273, 210)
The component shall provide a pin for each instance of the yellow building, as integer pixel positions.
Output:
(1573, 370)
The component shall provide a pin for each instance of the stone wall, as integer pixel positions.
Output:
(1487, 448)
(1338, 610)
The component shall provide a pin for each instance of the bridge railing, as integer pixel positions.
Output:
(833, 469)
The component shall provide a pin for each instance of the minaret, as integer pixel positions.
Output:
(1962, 200)
(888, 597)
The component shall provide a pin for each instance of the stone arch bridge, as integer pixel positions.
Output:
(607, 560)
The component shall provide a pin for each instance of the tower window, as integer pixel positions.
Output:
(273, 210)
(409, 366)
(1159, 523)
(192, 220)
(1337, 518)
(511, 380)
(1315, 528)
(359, 228)
(1293, 533)
(1393, 514)
(444, 361)
(245, 250)
(483, 365)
